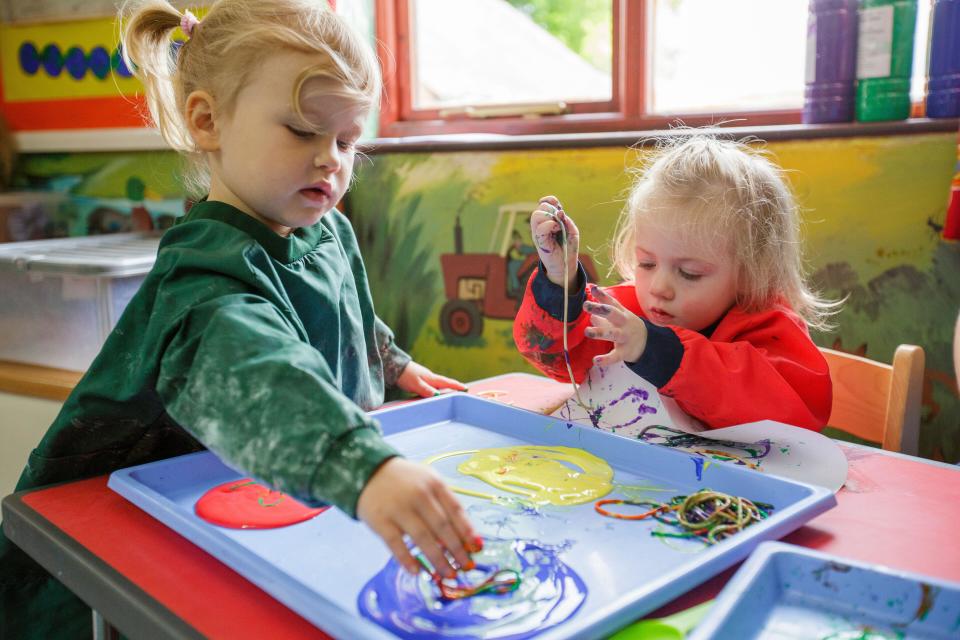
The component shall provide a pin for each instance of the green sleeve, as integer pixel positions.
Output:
(238, 378)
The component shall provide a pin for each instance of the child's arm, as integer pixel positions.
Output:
(399, 370)
(236, 374)
(538, 327)
(771, 370)
(754, 367)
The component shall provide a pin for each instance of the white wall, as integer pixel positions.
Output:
(24, 421)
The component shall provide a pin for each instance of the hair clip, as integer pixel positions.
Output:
(188, 23)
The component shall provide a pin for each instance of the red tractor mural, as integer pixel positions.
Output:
(491, 284)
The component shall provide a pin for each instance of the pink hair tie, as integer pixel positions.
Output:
(188, 23)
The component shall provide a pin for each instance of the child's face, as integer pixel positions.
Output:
(679, 284)
(269, 164)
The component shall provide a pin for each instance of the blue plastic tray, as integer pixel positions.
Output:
(785, 592)
(318, 567)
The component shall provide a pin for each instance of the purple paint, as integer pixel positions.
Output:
(550, 592)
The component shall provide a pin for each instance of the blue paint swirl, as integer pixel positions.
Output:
(550, 592)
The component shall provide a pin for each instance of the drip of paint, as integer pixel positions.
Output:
(698, 466)
(538, 473)
(244, 504)
(550, 592)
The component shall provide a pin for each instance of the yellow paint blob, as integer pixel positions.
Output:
(560, 476)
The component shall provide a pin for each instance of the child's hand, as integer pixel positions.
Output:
(611, 321)
(419, 380)
(545, 229)
(406, 498)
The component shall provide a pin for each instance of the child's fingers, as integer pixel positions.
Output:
(422, 389)
(605, 298)
(393, 537)
(608, 333)
(422, 535)
(598, 309)
(608, 359)
(443, 382)
(458, 518)
(551, 200)
(442, 528)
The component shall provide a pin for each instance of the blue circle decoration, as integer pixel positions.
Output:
(75, 62)
(52, 60)
(29, 58)
(99, 62)
(118, 64)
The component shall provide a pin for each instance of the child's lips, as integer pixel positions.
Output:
(660, 315)
(315, 194)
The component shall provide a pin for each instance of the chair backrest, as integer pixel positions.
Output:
(877, 401)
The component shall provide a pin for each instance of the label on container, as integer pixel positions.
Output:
(811, 72)
(875, 42)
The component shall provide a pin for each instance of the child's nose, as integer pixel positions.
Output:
(328, 157)
(660, 285)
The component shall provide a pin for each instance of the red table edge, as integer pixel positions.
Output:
(66, 559)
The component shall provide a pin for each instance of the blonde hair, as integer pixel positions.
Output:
(709, 190)
(224, 47)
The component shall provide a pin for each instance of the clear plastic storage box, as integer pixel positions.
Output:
(60, 298)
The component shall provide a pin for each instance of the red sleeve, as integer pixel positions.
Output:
(754, 367)
(538, 327)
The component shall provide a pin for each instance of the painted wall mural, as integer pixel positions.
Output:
(447, 243)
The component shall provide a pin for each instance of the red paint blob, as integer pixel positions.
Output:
(244, 504)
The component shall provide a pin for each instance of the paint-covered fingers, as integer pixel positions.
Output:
(607, 332)
(602, 297)
(425, 539)
(441, 525)
(609, 313)
(458, 517)
(608, 359)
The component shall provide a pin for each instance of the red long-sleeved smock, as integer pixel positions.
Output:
(746, 367)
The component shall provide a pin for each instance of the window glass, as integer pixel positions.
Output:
(730, 55)
(486, 52)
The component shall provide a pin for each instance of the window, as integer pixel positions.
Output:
(554, 66)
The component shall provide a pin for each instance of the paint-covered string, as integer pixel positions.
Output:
(710, 516)
(497, 582)
(566, 312)
(694, 443)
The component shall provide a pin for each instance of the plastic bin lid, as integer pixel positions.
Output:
(119, 254)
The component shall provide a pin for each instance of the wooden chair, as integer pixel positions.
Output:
(877, 401)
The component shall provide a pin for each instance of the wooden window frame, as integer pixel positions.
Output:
(624, 112)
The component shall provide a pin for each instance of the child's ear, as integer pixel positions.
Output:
(200, 112)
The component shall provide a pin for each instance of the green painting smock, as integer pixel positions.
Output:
(264, 349)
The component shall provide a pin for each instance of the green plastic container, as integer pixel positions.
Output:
(885, 59)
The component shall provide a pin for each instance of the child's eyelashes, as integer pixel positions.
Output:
(300, 133)
(346, 145)
(686, 275)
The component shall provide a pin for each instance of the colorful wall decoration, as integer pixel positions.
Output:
(67, 75)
